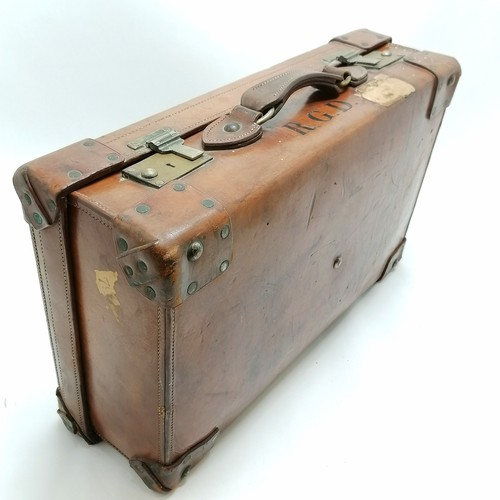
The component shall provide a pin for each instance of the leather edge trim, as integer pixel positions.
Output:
(446, 71)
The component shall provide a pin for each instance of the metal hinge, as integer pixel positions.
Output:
(174, 160)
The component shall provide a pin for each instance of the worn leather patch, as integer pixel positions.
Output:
(105, 281)
(385, 90)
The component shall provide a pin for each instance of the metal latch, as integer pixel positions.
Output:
(354, 57)
(165, 140)
(174, 160)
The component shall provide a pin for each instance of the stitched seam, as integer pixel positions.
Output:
(164, 117)
(48, 307)
(100, 205)
(70, 323)
(283, 85)
(161, 412)
(205, 120)
(93, 216)
(172, 372)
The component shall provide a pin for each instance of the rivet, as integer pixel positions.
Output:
(88, 142)
(178, 186)
(208, 203)
(74, 174)
(386, 53)
(122, 244)
(149, 173)
(142, 208)
(232, 127)
(337, 262)
(150, 293)
(37, 218)
(185, 472)
(451, 80)
(128, 270)
(225, 231)
(52, 205)
(142, 266)
(195, 250)
(159, 183)
(27, 199)
(223, 267)
(113, 157)
(192, 287)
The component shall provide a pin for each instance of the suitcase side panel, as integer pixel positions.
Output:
(124, 343)
(316, 214)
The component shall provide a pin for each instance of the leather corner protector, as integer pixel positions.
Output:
(70, 423)
(163, 478)
(42, 184)
(393, 260)
(170, 255)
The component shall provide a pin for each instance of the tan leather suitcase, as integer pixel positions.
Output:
(187, 259)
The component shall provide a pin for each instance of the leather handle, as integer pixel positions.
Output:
(262, 101)
(274, 92)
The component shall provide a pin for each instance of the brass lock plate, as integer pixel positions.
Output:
(159, 169)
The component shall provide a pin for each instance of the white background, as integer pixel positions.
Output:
(400, 399)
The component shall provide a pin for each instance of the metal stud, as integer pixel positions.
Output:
(150, 293)
(232, 127)
(122, 244)
(192, 288)
(178, 186)
(223, 267)
(128, 270)
(142, 266)
(52, 205)
(142, 208)
(195, 250)
(337, 262)
(37, 218)
(208, 203)
(149, 173)
(113, 157)
(74, 174)
(225, 231)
